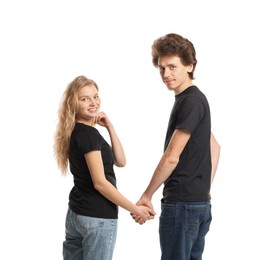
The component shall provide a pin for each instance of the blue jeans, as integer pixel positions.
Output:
(182, 229)
(89, 238)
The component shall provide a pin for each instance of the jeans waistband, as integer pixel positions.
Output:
(174, 202)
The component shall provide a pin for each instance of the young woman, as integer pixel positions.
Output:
(91, 221)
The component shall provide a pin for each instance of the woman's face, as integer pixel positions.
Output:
(89, 103)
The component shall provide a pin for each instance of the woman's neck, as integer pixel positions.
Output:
(90, 122)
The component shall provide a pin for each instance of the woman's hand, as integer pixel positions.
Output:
(103, 120)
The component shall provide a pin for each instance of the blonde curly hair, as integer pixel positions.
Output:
(66, 120)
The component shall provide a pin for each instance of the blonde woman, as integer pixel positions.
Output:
(91, 221)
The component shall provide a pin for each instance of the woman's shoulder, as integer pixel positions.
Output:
(84, 129)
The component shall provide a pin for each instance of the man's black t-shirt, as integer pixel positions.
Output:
(190, 181)
(83, 198)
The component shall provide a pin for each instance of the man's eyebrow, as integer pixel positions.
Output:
(170, 64)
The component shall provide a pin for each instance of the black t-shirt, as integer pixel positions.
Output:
(190, 181)
(83, 198)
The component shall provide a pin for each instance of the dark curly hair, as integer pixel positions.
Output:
(174, 44)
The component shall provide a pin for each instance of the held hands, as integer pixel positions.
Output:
(141, 220)
(147, 205)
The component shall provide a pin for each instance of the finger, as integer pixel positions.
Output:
(151, 212)
(138, 218)
(151, 217)
(133, 216)
(140, 221)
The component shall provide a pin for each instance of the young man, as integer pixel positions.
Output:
(191, 154)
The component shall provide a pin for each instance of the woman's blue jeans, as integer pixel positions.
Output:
(89, 238)
(182, 229)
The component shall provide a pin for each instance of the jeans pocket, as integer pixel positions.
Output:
(84, 223)
(167, 219)
(197, 219)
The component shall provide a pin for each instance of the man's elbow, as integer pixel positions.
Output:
(171, 161)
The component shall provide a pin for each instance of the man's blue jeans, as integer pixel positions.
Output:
(183, 226)
(89, 238)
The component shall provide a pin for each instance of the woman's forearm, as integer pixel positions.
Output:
(117, 148)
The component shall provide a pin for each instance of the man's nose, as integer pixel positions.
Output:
(166, 73)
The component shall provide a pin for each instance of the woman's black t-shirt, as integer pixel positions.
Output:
(190, 181)
(84, 199)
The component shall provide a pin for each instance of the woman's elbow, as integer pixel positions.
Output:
(121, 163)
(99, 185)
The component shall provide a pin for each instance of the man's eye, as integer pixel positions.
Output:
(96, 97)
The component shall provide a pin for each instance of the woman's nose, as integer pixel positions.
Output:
(92, 102)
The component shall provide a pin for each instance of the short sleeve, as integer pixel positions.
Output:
(88, 140)
(190, 113)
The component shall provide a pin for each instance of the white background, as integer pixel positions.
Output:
(45, 44)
